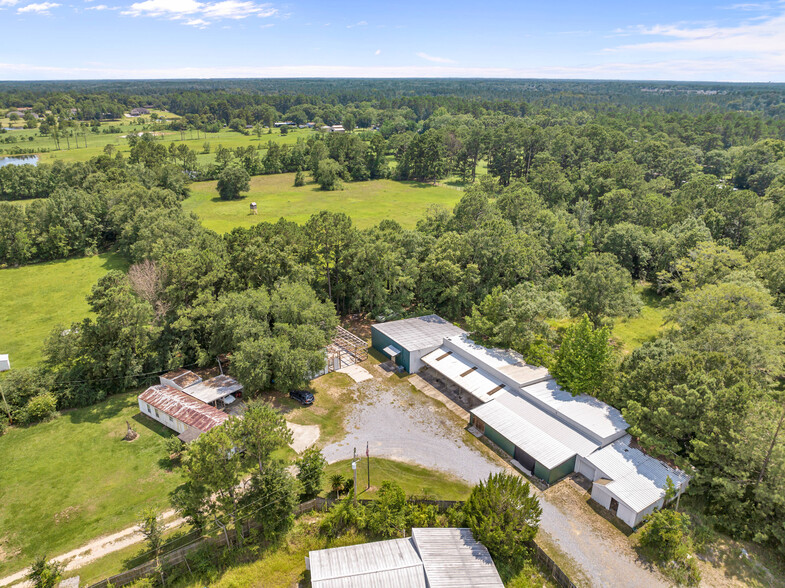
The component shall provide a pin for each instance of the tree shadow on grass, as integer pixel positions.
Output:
(152, 425)
(106, 409)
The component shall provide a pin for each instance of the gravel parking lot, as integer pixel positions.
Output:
(403, 424)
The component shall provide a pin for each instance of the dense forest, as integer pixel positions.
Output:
(592, 190)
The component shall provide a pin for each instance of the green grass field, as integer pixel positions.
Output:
(38, 297)
(415, 480)
(73, 479)
(91, 144)
(633, 332)
(366, 203)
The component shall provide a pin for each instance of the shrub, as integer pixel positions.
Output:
(44, 573)
(344, 515)
(666, 538)
(503, 514)
(39, 408)
(388, 516)
(311, 469)
(299, 179)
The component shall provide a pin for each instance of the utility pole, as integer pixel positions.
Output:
(368, 460)
(354, 469)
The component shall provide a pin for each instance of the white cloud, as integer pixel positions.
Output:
(433, 58)
(377, 52)
(200, 14)
(9, 2)
(40, 8)
(762, 37)
(101, 7)
(236, 10)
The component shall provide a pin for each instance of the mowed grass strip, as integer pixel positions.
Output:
(37, 297)
(71, 480)
(367, 203)
(415, 480)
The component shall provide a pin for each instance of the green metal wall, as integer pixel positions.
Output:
(379, 341)
(562, 470)
(497, 438)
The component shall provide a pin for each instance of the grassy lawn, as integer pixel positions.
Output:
(73, 479)
(366, 203)
(38, 297)
(95, 142)
(635, 331)
(415, 480)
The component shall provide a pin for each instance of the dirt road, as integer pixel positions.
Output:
(94, 550)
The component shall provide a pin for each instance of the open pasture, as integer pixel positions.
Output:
(91, 144)
(367, 203)
(42, 295)
(73, 479)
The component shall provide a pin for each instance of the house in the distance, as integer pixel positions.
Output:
(139, 111)
(430, 558)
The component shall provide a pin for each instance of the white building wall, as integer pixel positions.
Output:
(626, 514)
(601, 495)
(584, 467)
(163, 418)
(415, 358)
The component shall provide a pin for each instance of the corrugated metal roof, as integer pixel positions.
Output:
(381, 564)
(507, 362)
(214, 388)
(418, 333)
(184, 408)
(459, 371)
(182, 377)
(547, 439)
(638, 480)
(583, 411)
(453, 557)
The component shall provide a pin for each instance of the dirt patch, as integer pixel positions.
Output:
(304, 436)
(6, 553)
(357, 324)
(66, 515)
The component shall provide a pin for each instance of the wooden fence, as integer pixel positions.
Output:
(179, 556)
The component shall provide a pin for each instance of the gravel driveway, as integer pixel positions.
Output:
(405, 425)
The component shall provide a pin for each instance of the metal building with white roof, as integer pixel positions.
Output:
(628, 482)
(596, 419)
(539, 442)
(407, 340)
(430, 558)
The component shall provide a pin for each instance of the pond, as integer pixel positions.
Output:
(19, 160)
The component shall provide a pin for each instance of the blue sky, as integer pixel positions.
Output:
(666, 40)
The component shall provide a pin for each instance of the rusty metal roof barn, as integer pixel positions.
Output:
(184, 408)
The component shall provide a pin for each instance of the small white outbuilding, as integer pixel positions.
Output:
(5, 363)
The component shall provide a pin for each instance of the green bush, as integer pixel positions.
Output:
(345, 515)
(666, 538)
(39, 408)
(503, 514)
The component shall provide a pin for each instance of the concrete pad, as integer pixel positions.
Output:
(304, 436)
(357, 373)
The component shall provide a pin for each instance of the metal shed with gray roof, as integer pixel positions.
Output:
(408, 340)
(430, 558)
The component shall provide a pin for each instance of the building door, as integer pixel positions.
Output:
(479, 425)
(523, 458)
(614, 506)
